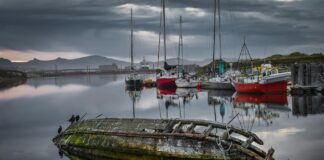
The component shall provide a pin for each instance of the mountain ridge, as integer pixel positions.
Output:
(92, 62)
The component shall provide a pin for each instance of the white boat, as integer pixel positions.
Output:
(187, 83)
(183, 80)
(222, 81)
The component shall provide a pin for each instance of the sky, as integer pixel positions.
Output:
(47, 29)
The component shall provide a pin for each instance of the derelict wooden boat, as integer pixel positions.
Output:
(163, 138)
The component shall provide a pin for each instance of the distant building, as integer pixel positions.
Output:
(144, 65)
(129, 68)
(112, 67)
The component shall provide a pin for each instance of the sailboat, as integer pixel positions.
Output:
(133, 80)
(184, 81)
(166, 80)
(221, 81)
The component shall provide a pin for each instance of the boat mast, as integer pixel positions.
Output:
(179, 46)
(220, 39)
(159, 45)
(132, 58)
(164, 39)
(214, 37)
(181, 43)
(219, 31)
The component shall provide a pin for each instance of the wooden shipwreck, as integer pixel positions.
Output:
(158, 138)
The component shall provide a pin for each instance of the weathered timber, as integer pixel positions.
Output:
(168, 138)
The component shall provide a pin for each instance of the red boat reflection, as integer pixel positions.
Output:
(280, 99)
(171, 91)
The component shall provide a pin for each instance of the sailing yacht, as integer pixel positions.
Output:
(133, 80)
(221, 81)
(166, 80)
(184, 81)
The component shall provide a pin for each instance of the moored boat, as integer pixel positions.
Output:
(217, 83)
(133, 79)
(269, 81)
(159, 138)
(166, 80)
(187, 83)
(275, 87)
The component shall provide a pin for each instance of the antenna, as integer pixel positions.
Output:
(244, 57)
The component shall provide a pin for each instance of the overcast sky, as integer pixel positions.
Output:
(47, 29)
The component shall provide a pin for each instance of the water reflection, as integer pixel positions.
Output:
(308, 104)
(177, 98)
(44, 104)
(219, 98)
(93, 81)
(32, 91)
(135, 95)
(259, 107)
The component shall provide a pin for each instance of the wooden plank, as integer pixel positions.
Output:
(208, 130)
(248, 142)
(191, 128)
(177, 128)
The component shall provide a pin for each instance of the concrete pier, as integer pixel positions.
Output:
(307, 78)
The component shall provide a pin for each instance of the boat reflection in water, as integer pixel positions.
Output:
(248, 107)
(135, 95)
(220, 98)
(176, 98)
(262, 107)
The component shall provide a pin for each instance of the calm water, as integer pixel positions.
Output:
(31, 113)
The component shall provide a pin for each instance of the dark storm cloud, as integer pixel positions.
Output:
(102, 27)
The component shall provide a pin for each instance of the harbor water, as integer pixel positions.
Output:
(31, 113)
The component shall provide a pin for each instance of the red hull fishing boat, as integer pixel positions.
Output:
(276, 87)
(263, 79)
(270, 81)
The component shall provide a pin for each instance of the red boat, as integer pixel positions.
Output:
(270, 81)
(280, 99)
(166, 82)
(166, 92)
(275, 87)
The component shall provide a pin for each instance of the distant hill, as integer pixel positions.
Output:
(174, 61)
(79, 63)
(295, 57)
(61, 63)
